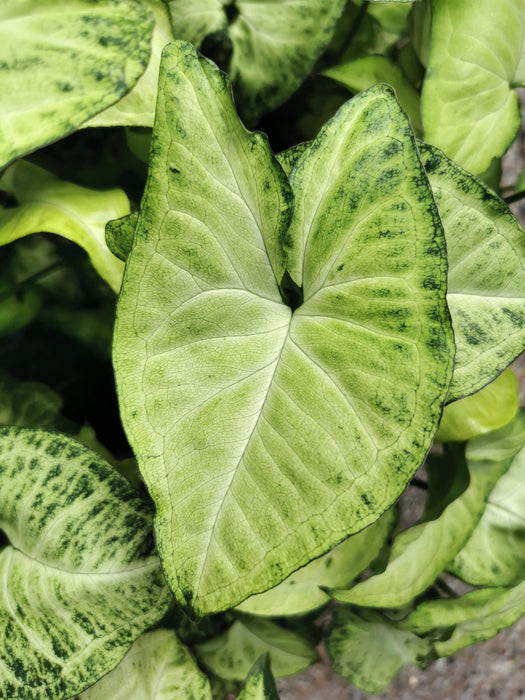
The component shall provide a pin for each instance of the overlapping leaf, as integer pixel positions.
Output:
(301, 591)
(495, 553)
(486, 276)
(264, 438)
(61, 62)
(470, 619)
(260, 683)
(157, 667)
(232, 654)
(470, 108)
(137, 108)
(46, 203)
(273, 45)
(80, 577)
(370, 650)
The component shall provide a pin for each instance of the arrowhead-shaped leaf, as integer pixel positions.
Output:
(470, 108)
(486, 275)
(61, 62)
(46, 203)
(157, 667)
(272, 51)
(266, 437)
(80, 577)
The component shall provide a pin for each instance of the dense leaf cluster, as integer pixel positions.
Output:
(296, 319)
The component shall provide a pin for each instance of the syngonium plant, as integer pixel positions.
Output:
(292, 335)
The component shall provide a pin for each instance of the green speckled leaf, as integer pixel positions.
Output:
(232, 654)
(137, 108)
(470, 109)
(489, 409)
(274, 44)
(370, 651)
(364, 72)
(260, 683)
(470, 619)
(422, 552)
(46, 203)
(219, 383)
(486, 276)
(119, 234)
(495, 553)
(61, 62)
(300, 592)
(27, 404)
(80, 579)
(157, 667)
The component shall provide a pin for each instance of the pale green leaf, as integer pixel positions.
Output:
(474, 617)
(274, 44)
(495, 553)
(300, 592)
(27, 404)
(80, 577)
(137, 108)
(62, 62)
(486, 275)
(232, 654)
(260, 683)
(157, 667)
(364, 72)
(46, 203)
(489, 409)
(369, 652)
(470, 109)
(219, 384)
(420, 553)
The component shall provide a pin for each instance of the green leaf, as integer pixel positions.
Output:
(469, 106)
(489, 409)
(46, 203)
(363, 361)
(80, 577)
(272, 52)
(495, 553)
(119, 234)
(486, 275)
(369, 652)
(137, 108)
(157, 667)
(127, 467)
(232, 654)
(260, 683)
(27, 404)
(474, 617)
(300, 592)
(421, 553)
(364, 72)
(62, 62)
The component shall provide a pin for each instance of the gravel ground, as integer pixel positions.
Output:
(493, 669)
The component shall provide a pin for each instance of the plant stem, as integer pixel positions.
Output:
(516, 197)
